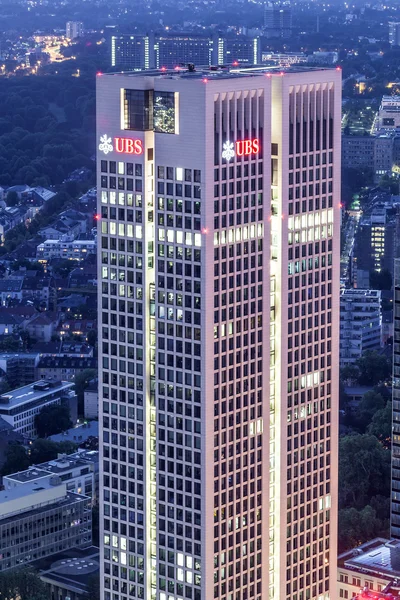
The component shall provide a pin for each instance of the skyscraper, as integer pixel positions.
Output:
(395, 494)
(219, 301)
(277, 20)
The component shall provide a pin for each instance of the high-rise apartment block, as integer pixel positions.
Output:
(132, 52)
(167, 51)
(219, 253)
(394, 33)
(277, 20)
(73, 30)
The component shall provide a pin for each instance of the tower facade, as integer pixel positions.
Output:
(219, 300)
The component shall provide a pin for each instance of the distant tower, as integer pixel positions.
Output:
(394, 34)
(74, 29)
(277, 20)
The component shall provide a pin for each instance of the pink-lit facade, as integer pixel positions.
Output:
(219, 269)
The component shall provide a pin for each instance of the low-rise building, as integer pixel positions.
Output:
(91, 400)
(69, 249)
(20, 406)
(79, 471)
(67, 574)
(19, 367)
(42, 326)
(65, 368)
(78, 434)
(360, 323)
(40, 519)
(370, 571)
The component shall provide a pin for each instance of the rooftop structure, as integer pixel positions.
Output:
(19, 407)
(78, 471)
(371, 570)
(67, 574)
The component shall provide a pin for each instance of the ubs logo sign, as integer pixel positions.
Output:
(120, 145)
(240, 148)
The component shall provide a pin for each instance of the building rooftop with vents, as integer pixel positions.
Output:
(371, 570)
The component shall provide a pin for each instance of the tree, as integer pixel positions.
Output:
(364, 470)
(17, 459)
(53, 419)
(43, 450)
(12, 198)
(92, 337)
(358, 526)
(369, 404)
(22, 584)
(374, 368)
(381, 425)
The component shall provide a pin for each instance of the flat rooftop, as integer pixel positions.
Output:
(31, 392)
(78, 434)
(58, 466)
(70, 569)
(218, 72)
(379, 556)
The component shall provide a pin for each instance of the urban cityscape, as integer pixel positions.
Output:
(199, 300)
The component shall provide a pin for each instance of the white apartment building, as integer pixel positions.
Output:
(65, 248)
(219, 196)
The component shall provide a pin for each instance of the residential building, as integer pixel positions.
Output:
(395, 495)
(394, 33)
(42, 326)
(240, 50)
(73, 30)
(372, 570)
(19, 407)
(220, 333)
(67, 248)
(360, 323)
(277, 20)
(132, 52)
(173, 50)
(10, 323)
(91, 400)
(79, 471)
(10, 289)
(40, 519)
(63, 368)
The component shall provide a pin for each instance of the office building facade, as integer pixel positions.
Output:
(360, 323)
(395, 496)
(277, 20)
(40, 519)
(218, 294)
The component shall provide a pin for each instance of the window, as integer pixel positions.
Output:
(138, 113)
(164, 112)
